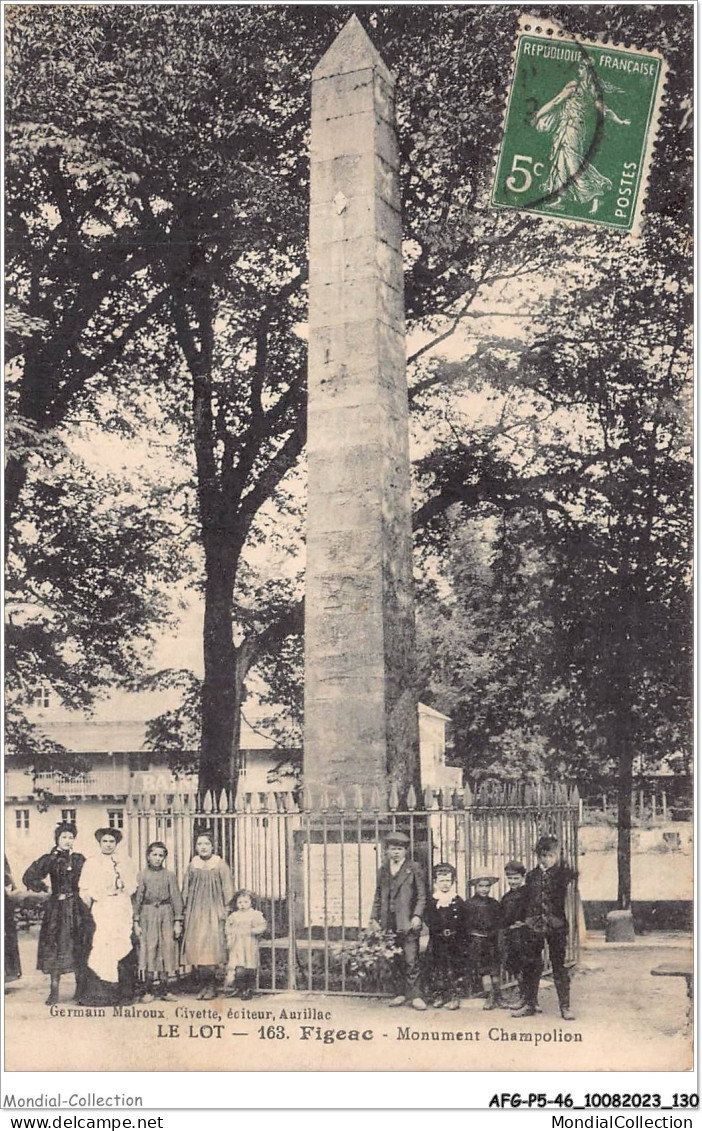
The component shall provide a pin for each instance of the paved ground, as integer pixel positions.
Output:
(625, 1020)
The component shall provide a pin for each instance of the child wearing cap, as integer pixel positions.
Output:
(445, 916)
(399, 903)
(545, 921)
(512, 924)
(482, 924)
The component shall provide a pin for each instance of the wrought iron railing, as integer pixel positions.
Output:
(312, 861)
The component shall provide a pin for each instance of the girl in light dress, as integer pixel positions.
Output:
(207, 893)
(244, 927)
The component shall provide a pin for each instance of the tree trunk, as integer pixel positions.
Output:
(220, 704)
(626, 765)
(15, 479)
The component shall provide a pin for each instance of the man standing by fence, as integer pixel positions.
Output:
(400, 900)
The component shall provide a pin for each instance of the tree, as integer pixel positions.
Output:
(199, 168)
(215, 218)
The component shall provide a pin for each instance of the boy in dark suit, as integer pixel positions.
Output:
(483, 924)
(400, 900)
(445, 918)
(512, 926)
(545, 921)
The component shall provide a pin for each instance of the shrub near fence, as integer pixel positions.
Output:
(312, 864)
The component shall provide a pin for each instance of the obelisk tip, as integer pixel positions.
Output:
(352, 50)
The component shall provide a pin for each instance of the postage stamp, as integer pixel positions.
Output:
(579, 129)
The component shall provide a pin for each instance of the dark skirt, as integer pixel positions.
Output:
(13, 969)
(63, 936)
(94, 991)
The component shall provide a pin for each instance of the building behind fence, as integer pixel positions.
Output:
(312, 862)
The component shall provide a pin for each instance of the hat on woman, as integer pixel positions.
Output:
(546, 844)
(100, 833)
(64, 827)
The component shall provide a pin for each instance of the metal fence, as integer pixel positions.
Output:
(312, 862)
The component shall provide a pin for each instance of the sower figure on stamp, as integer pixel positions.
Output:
(399, 904)
(512, 927)
(445, 918)
(482, 926)
(545, 921)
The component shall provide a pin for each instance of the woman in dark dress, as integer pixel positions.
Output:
(62, 937)
(13, 969)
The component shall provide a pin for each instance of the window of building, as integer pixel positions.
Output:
(42, 696)
(115, 818)
(69, 815)
(22, 819)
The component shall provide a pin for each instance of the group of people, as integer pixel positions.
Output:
(125, 934)
(469, 940)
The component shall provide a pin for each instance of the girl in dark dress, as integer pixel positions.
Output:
(62, 937)
(13, 969)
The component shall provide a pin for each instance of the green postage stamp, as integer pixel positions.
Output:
(579, 128)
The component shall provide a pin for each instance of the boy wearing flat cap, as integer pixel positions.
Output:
(400, 900)
(483, 924)
(545, 920)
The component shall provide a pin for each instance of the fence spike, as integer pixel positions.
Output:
(375, 799)
(207, 802)
(445, 797)
(411, 798)
(271, 801)
(223, 802)
(574, 795)
(255, 801)
(393, 798)
(467, 797)
(358, 798)
(289, 802)
(341, 801)
(240, 797)
(306, 799)
(324, 801)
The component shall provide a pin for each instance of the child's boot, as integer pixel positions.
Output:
(491, 999)
(246, 981)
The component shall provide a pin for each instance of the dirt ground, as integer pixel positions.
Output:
(626, 1020)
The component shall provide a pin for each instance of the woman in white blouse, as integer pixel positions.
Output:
(107, 884)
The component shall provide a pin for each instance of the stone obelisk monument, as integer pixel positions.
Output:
(360, 699)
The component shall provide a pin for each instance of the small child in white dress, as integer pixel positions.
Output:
(243, 928)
